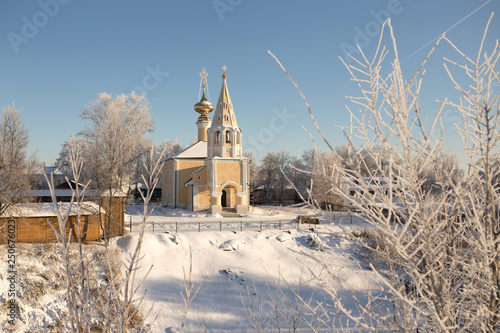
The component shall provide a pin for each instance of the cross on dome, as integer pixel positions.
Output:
(203, 75)
(224, 75)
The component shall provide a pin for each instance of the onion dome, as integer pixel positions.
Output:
(203, 107)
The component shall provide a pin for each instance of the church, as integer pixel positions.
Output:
(211, 174)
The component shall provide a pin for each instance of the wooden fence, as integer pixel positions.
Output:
(39, 230)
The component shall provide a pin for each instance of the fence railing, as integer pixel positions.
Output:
(232, 225)
(155, 226)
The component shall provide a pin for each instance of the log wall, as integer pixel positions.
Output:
(39, 230)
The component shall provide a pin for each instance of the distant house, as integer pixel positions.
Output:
(374, 190)
(136, 189)
(63, 192)
(43, 170)
(45, 195)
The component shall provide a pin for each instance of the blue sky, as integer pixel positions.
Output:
(57, 55)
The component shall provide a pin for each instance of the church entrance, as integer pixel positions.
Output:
(223, 199)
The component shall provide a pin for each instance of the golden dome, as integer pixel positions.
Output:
(203, 107)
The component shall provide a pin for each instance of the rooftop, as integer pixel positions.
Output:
(197, 150)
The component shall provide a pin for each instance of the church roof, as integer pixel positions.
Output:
(224, 112)
(197, 150)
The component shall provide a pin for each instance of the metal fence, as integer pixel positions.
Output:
(229, 224)
(198, 226)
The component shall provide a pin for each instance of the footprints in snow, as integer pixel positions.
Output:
(233, 276)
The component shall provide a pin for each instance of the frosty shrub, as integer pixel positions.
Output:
(102, 291)
(132, 302)
(439, 227)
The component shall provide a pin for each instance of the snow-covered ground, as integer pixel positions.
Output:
(238, 267)
(164, 219)
(233, 267)
(166, 214)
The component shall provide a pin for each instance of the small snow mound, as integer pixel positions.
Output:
(172, 330)
(217, 215)
(231, 245)
(283, 238)
(314, 241)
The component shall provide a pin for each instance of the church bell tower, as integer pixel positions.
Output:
(227, 168)
(224, 134)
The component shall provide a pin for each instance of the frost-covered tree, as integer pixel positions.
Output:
(169, 147)
(477, 198)
(16, 167)
(141, 161)
(308, 159)
(273, 172)
(298, 171)
(102, 292)
(253, 170)
(445, 163)
(440, 249)
(443, 262)
(65, 154)
(323, 179)
(367, 161)
(268, 172)
(116, 128)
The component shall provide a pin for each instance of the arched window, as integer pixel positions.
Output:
(228, 137)
(217, 137)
